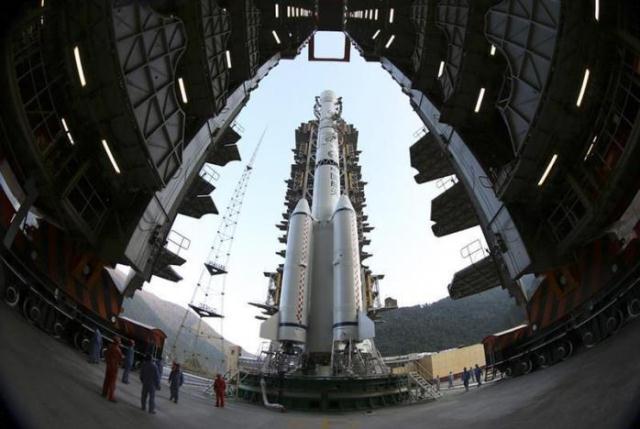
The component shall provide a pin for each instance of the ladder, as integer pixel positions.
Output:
(427, 389)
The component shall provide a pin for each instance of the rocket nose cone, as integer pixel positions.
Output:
(344, 203)
(328, 95)
(302, 207)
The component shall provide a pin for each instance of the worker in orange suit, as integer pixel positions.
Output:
(219, 386)
(113, 358)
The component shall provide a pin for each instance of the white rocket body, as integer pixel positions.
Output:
(321, 294)
(347, 285)
(326, 182)
(294, 300)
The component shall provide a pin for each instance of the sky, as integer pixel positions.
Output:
(417, 266)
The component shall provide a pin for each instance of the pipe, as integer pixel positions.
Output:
(265, 400)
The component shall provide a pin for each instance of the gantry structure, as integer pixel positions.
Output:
(112, 109)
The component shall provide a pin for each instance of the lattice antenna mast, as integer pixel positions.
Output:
(210, 288)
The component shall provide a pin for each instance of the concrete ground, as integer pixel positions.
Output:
(47, 384)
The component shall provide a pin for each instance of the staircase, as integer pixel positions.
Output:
(490, 373)
(426, 390)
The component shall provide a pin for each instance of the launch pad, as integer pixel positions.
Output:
(335, 393)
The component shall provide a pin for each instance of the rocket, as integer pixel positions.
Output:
(321, 298)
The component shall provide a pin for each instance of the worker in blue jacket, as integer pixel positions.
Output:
(149, 378)
(466, 376)
(176, 378)
(478, 374)
(129, 353)
(95, 347)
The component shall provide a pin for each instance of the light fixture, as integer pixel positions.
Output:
(391, 16)
(66, 131)
(390, 41)
(547, 170)
(492, 52)
(76, 55)
(588, 151)
(375, 35)
(479, 101)
(593, 143)
(441, 68)
(183, 92)
(275, 36)
(596, 11)
(110, 155)
(277, 10)
(375, 15)
(228, 55)
(585, 80)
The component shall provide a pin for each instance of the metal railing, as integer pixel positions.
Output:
(422, 131)
(445, 183)
(474, 251)
(237, 127)
(209, 174)
(424, 372)
(177, 241)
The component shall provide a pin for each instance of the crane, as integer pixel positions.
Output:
(210, 288)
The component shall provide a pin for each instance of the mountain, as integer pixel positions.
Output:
(446, 323)
(147, 308)
(430, 327)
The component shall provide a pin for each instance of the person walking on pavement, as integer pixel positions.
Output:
(478, 374)
(95, 347)
(129, 353)
(176, 378)
(113, 358)
(450, 379)
(160, 366)
(466, 375)
(149, 378)
(219, 386)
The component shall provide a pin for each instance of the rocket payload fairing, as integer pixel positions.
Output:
(321, 299)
